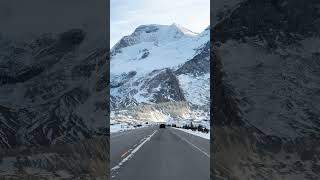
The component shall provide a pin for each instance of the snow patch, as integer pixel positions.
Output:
(196, 89)
(196, 133)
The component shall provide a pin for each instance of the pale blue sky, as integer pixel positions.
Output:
(126, 15)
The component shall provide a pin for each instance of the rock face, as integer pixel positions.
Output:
(266, 81)
(52, 93)
(158, 64)
(199, 64)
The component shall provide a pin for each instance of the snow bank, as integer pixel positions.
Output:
(196, 133)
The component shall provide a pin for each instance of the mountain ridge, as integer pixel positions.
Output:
(173, 31)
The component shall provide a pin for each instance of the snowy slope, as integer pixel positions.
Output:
(154, 47)
(158, 64)
(53, 91)
(266, 64)
(195, 88)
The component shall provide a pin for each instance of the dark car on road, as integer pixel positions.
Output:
(162, 126)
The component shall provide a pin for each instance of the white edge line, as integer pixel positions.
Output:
(133, 151)
(192, 145)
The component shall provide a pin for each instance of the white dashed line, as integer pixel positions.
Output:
(133, 151)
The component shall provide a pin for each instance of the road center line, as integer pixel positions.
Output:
(124, 154)
(133, 151)
(192, 144)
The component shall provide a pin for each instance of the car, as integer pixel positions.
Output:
(162, 126)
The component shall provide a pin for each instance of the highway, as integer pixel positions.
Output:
(151, 153)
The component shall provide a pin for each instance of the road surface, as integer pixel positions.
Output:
(151, 153)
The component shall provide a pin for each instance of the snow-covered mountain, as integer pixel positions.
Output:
(266, 91)
(52, 94)
(158, 64)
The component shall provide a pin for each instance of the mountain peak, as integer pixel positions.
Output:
(149, 28)
(153, 33)
(183, 30)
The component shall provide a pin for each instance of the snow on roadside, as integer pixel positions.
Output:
(120, 127)
(196, 133)
(124, 122)
(128, 124)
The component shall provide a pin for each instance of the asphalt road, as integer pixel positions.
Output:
(159, 154)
